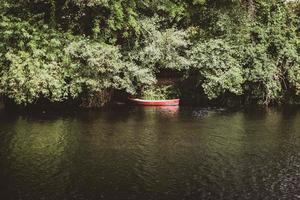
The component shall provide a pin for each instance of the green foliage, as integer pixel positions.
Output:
(263, 76)
(92, 2)
(160, 93)
(29, 78)
(64, 49)
(161, 49)
(98, 67)
(38, 62)
(32, 64)
(271, 58)
(216, 61)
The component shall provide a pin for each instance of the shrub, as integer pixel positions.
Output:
(219, 70)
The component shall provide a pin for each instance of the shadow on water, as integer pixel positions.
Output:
(150, 153)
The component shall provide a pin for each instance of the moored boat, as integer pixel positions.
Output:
(142, 102)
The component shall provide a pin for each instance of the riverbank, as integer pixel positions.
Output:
(88, 50)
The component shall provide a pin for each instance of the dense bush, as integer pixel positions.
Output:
(161, 49)
(39, 62)
(32, 63)
(99, 67)
(218, 67)
(271, 58)
(160, 92)
(86, 49)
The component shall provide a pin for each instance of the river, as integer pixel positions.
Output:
(150, 153)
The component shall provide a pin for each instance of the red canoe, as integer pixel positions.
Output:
(141, 102)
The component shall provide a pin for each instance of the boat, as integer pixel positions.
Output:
(142, 102)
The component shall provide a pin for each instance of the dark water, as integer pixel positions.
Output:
(150, 153)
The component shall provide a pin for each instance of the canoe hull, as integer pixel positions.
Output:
(141, 102)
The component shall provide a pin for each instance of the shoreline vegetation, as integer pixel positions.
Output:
(91, 53)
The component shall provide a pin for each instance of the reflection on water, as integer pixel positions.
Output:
(150, 153)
